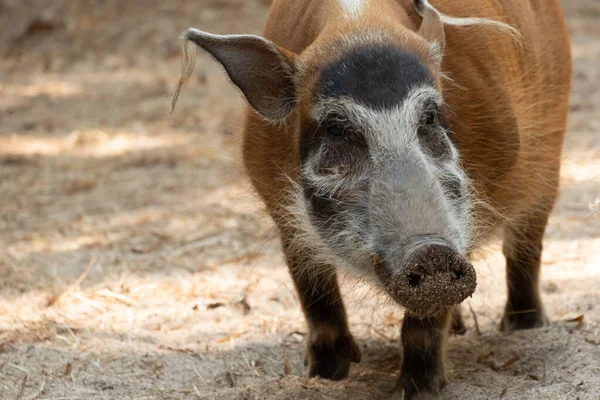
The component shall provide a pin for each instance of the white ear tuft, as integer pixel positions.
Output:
(261, 70)
(432, 28)
(433, 20)
(422, 5)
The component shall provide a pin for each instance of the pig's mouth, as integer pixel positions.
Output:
(431, 277)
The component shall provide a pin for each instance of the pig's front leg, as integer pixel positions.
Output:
(423, 373)
(330, 345)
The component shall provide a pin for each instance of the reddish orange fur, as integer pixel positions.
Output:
(507, 101)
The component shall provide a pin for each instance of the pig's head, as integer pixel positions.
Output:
(379, 183)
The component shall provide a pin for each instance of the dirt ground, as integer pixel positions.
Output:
(136, 264)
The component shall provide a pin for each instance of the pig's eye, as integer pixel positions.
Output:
(336, 130)
(430, 115)
(429, 118)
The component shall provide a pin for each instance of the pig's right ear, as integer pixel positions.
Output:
(263, 72)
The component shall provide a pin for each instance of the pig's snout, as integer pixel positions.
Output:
(432, 276)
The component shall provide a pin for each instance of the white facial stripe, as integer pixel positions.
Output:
(352, 8)
(388, 122)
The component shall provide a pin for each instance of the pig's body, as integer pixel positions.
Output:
(394, 142)
(507, 102)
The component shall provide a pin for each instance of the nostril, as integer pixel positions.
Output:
(414, 280)
(458, 273)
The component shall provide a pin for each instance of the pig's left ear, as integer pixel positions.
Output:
(432, 28)
(263, 71)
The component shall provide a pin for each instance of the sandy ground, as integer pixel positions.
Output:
(135, 263)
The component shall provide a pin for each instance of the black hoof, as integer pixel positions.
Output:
(330, 356)
(419, 386)
(518, 320)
